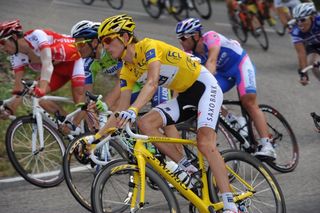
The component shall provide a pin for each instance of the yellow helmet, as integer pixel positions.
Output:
(116, 24)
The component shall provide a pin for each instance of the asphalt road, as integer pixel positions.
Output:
(277, 81)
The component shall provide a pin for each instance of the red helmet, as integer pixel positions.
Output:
(10, 27)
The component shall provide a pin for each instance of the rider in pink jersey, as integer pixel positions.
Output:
(231, 66)
(53, 55)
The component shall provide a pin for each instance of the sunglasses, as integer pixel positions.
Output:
(81, 44)
(185, 37)
(301, 20)
(108, 39)
(3, 40)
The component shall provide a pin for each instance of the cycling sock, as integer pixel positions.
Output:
(228, 203)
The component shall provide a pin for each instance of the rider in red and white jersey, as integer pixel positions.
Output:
(53, 55)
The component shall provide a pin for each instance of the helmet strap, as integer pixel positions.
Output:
(124, 53)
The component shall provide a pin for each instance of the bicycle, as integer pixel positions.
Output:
(116, 187)
(179, 9)
(34, 144)
(245, 19)
(201, 7)
(114, 4)
(281, 134)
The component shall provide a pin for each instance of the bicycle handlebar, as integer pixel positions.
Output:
(307, 68)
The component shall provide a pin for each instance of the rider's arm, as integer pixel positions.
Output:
(150, 86)
(46, 68)
(301, 54)
(211, 63)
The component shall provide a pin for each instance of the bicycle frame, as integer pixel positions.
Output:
(143, 156)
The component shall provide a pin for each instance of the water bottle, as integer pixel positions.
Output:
(182, 175)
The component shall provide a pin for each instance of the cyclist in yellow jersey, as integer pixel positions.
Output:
(155, 63)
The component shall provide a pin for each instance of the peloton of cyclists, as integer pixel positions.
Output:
(231, 65)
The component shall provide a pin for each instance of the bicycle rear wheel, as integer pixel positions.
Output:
(283, 139)
(153, 7)
(80, 171)
(258, 32)
(267, 194)
(113, 186)
(203, 8)
(43, 167)
(115, 4)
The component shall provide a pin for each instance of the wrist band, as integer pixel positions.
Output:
(135, 109)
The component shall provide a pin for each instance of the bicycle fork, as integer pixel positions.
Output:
(37, 132)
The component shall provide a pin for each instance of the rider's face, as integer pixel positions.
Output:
(8, 45)
(187, 42)
(304, 23)
(83, 47)
(113, 45)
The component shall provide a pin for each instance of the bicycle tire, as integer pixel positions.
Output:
(203, 8)
(79, 172)
(238, 27)
(42, 168)
(267, 197)
(111, 182)
(115, 4)
(284, 140)
(261, 36)
(153, 7)
(87, 2)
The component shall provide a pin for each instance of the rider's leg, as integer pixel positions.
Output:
(206, 142)
(149, 124)
(172, 132)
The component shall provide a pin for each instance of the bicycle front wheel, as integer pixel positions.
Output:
(115, 4)
(39, 166)
(283, 139)
(80, 171)
(112, 190)
(258, 32)
(203, 8)
(267, 194)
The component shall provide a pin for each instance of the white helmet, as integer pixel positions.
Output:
(188, 26)
(85, 29)
(303, 10)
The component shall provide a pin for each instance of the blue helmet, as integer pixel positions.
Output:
(188, 26)
(85, 29)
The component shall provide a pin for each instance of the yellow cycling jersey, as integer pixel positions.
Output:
(178, 71)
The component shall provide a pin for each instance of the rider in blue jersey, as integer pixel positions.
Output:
(305, 36)
(231, 66)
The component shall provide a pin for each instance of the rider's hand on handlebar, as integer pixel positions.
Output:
(304, 78)
(128, 115)
(38, 92)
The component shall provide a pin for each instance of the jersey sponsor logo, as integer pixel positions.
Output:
(123, 83)
(150, 54)
(212, 103)
(191, 64)
(173, 57)
(162, 79)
